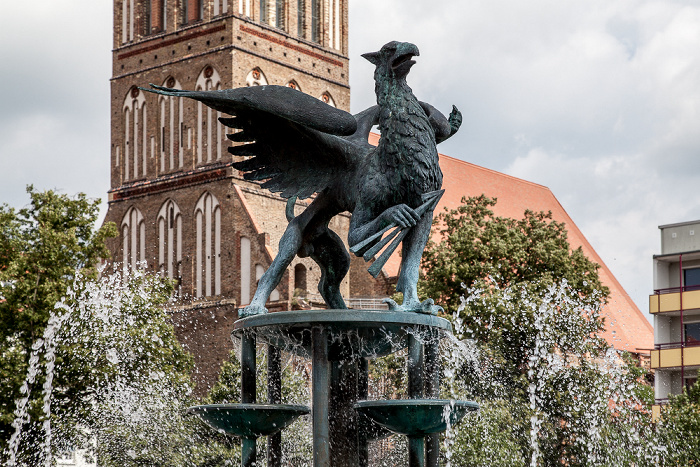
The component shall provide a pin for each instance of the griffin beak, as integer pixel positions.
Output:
(401, 63)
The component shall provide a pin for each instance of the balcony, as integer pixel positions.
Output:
(675, 355)
(670, 300)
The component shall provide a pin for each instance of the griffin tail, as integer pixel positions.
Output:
(289, 212)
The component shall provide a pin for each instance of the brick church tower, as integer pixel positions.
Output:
(180, 207)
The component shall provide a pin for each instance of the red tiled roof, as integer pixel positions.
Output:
(627, 328)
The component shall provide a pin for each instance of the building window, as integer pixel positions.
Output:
(171, 129)
(133, 230)
(294, 85)
(154, 13)
(191, 11)
(692, 333)
(328, 99)
(280, 14)
(334, 24)
(184, 7)
(147, 17)
(208, 246)
(170, 239)
(301, 18)
(245, 270)
(135, 134)
(220, 7)
(127, 21)
(210, 131)
(264, 12)
(244, 8)
(316, 21)
(256, 78)
(691, 278)
(300, 278)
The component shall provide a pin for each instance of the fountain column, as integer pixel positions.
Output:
(320, 395)
(432, 391)
(274, 396)
(248, 390)
(416, 445)
(342, 417)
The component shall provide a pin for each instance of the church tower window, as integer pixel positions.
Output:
(133, 230)
(208, 257)
(135, 134)
(171, 127)
(256, 78)
(244, 8)
(334, 13)
(245, 270)
(170, 239)
(316, 21)
(209, 130)
(301, 18)
(127, 21)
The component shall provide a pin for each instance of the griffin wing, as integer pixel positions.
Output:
(297, 144)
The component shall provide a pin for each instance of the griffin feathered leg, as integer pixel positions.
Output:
(413, 246)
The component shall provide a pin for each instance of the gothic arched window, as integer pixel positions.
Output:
(334, 14)
(244, 8)
(256, 78)
(127, 21)
(300, 278)
(328, 99)
(135, 136)
(245, 270)
(208, 245)
(133, 230)
(171, 129)
(170, 239)
(209, 129)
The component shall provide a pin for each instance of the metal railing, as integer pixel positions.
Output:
(358, 303)
(668, 290)
(677, 345)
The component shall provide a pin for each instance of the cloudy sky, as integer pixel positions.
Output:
(599, 100)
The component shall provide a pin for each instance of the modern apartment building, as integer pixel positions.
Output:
(675, 306)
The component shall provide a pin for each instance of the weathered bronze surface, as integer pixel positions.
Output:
(300, 146)
(416, 417)
(297, 146)
(351, 334)
(249, 420)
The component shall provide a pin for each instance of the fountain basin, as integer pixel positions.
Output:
(249, 420)
(416, 417)
(351, 333)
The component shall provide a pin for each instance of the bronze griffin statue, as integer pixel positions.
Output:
(299, 146)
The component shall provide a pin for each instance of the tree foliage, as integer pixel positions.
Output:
(475, 246)
(526, 307)
(679, 428)
(42, 248)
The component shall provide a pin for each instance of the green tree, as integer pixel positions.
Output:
(42, 248)
(475, 246)
(679, 429)
(531, 318)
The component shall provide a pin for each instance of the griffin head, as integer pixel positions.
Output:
(394, 59)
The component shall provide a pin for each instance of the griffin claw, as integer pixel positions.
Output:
(427, 307)
(251, 310)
